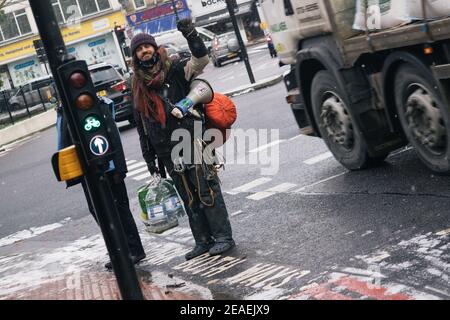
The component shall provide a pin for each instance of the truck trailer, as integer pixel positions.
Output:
(366, 92)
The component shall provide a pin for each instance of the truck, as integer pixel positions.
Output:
(365, 93)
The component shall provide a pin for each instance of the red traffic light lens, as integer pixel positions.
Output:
(77, 80)
(85, 101)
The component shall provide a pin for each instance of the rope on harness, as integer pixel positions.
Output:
(188, 191)
(211, 192)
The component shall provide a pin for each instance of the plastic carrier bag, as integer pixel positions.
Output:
(161, 205)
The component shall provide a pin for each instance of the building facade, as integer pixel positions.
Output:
(213, 15)
(154, 16)
(87, 28)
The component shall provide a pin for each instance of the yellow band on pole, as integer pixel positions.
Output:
(69, 164)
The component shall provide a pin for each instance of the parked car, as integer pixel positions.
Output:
(33, 91)
(225, 47)
(175, 52)
(176, 38)
(110, 83)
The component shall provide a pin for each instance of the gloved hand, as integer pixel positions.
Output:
(152, 168)
(184, 105)
(186, 27)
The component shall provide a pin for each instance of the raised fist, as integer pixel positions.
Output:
(186, 27)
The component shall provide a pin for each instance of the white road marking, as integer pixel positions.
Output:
(319, 158)
(30, 233)
(443, 232)
(366, 233)
(267, 146)
(236, 213)
(137, 171)
(249, 186)
(130, 162)
(142, 176)
(136, 165)
(272, 191)
(320, 182)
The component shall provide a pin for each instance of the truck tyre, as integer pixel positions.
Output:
(337, 126)
(424, 116)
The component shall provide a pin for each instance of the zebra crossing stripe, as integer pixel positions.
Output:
(136, 165)
(130, 162)
(319, 158)
(249, 186)
(137, 171)
(284, 187)
(142, 176)
(267, 146)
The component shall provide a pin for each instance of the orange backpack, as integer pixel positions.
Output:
(221, 114)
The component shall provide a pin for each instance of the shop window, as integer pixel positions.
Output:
(67, 10)
(103, 5)
(57, 10)
(24, 24)
(87, 7)
(14, 24)
(70, 9)
(138, 4)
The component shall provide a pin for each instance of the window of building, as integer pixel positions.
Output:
(67, 10)
(138, 4)
(14, 24)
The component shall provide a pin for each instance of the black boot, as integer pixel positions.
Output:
(198, 250)
(221, 247)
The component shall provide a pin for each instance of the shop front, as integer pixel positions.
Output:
(158, 19)
(93, 41)
(214, 15)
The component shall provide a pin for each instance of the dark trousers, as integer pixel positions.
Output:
(120, 194)
(208, 223)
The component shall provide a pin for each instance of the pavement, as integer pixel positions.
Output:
(95, 284)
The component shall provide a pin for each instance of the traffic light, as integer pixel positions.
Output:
(40, 51)
(85, 111)
(120, 33)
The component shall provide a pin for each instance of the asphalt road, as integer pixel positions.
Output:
(311, 231)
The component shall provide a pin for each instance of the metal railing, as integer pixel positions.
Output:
(17, 105)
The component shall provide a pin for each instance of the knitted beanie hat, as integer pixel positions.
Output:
(142, 38)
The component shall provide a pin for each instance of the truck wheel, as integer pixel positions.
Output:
(424, 116)
(337, 126)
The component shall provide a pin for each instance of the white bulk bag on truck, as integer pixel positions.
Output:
(381, 14)
(433, 9)
(385, 14)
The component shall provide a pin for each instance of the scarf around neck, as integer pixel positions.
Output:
(146, 83)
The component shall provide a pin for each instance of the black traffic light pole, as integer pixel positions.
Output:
(95, 178)
(241, 42)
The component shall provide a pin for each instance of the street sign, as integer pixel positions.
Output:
(99, 145)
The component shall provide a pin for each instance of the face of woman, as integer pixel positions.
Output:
(145, 52)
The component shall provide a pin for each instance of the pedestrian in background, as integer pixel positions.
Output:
(116, 176)
(158, 84)
(271, 46)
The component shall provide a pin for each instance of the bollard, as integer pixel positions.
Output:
(40, 97)
(7, 107)
(25, 101)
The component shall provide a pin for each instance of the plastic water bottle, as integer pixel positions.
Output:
(163, 206)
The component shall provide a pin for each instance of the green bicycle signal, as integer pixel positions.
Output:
(92, 123)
